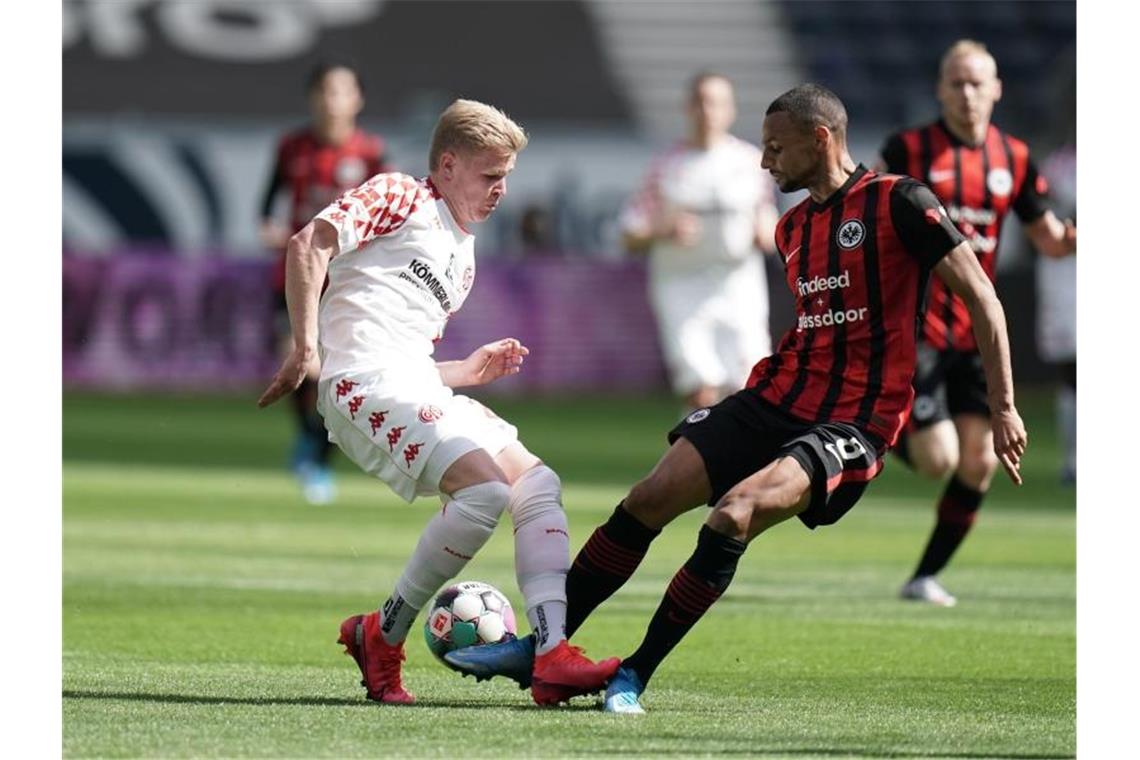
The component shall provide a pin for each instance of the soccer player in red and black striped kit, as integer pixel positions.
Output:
(315, 165)
(809, 431)
(981, 174)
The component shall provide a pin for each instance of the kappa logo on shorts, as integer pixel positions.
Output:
(429, 413)
(411, 451)
(344, 387)
(697, 416)
(850, 234)
(376, 420)
(394, 436)
(354, 405)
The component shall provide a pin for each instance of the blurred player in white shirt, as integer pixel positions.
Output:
(1057, 307)
(703, 210)
(399, 257)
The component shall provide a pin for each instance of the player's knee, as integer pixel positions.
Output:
(935, 462)
(536, 492)
(746, 511)
(977, 467)
(482, 503)
(646, 498)
(733, 515)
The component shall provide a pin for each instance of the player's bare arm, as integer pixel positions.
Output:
(486, 364)
(307, 261)
(766, 219)
(1051, 236)
(961, 271)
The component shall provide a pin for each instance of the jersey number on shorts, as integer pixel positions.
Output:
(846, 449)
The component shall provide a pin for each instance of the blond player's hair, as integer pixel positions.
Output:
(468, 125)
(965, 47)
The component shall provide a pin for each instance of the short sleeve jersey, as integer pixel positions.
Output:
(980, 185)
(403, 267)
(857, 265)
(724, 186)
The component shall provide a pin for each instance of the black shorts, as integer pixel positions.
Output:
(744, 433)
(946, 384)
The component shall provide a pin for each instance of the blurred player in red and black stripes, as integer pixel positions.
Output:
(809, 431)
(314, 165)
(981, 174)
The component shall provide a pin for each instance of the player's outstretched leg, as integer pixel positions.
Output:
(772, 495)
(606, 561)
(699, 583)
(451, 538)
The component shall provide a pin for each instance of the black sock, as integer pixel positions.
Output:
(604, 564)
(956, 513)
(694, 588)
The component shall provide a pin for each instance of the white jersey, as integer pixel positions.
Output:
(404, 267)
(725, 186)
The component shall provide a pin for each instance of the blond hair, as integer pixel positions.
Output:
(962, 48)
(468, 125)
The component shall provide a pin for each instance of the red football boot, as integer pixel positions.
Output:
(565, 672)
(379, 661)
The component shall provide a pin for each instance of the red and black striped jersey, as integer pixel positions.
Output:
(857, 265)
(979, 184)
(316, 173)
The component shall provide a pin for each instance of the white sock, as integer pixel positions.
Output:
(542, 553)
(448, 542)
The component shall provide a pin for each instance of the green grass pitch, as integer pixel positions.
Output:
(202, 598)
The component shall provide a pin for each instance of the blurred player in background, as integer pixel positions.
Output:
(313, 166)
(981, 174)
(400, 261)
(808, 433)
(1057, 306)
(703, 210)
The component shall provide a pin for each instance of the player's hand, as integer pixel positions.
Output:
(1070, 238)
(287, 379)
(682, 228)
(494, 360)
(1010, 440)
(686, 229)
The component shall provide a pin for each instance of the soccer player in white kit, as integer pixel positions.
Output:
(400, 260)
(703, 210)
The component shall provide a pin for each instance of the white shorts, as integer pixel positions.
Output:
(407, 429)
(712, 331)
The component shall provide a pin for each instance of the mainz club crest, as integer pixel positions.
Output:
(468, 277)
(430, 413)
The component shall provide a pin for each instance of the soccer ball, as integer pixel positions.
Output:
(468, 614)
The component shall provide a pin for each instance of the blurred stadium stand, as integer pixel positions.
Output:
(172, 108)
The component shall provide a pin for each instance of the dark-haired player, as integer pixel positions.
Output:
(981, 174)
(809, 431)
(314, 165)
